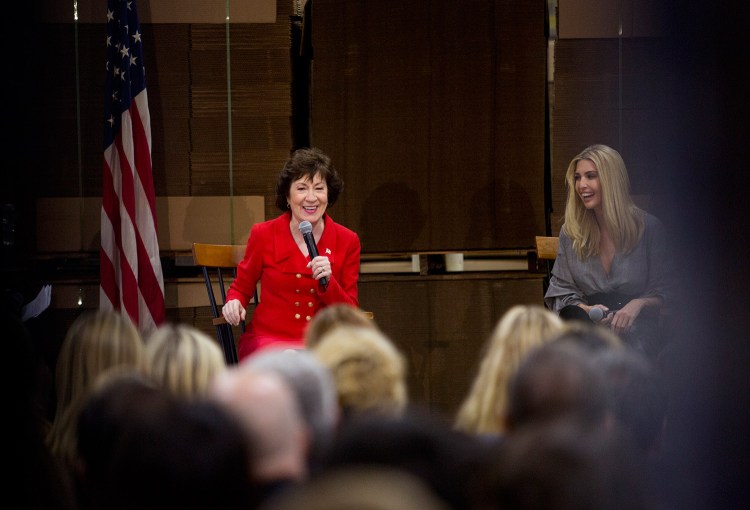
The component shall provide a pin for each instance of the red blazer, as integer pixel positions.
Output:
(289, 296)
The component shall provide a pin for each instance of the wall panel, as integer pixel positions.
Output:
(434, 111)
(441, 323)
(612, 91)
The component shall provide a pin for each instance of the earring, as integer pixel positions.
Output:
(288, 206)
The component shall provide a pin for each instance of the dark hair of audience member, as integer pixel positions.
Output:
(591, 336)
(359, 487)
(557, 380)
(560, 465)
(106, 415)
(636, 396)
(418, 443)
(142, 447)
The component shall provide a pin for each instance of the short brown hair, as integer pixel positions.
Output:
(306, 163)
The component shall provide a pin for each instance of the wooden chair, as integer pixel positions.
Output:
(546, 251)
(546, 247)
(219, 265)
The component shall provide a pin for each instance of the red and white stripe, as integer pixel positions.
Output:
(131, 274)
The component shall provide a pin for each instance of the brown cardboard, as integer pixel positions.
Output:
(181, 293)
(601, 19)
(185, 220)
(72, 224)
(165, 11)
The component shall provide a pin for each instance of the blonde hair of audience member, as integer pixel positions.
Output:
(368, 369)
(519, 330)
(267, 408)
(183, 360)
(623, 219)
(335, 315)
(94, 343)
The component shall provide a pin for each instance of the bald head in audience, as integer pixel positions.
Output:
(269, 413)
(314, 388)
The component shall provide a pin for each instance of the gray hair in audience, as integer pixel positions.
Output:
(312, 383)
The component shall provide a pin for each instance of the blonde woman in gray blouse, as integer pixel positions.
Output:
(612, 255)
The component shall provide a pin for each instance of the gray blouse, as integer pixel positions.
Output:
(644, 272)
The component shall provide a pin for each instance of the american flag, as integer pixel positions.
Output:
(130, 268)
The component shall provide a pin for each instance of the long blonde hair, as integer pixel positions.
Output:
(94, 343)
(623, 220)
(519, 330)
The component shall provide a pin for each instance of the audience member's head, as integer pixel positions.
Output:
(277, 438)
(418, 443)
(182, 359)
(370, 488)
(314, 388)
(143, 447)
(563, 466)
(636, 396)
(368, 369)
(334, 315)
(557, 380)
(591, 336)
(95, 342)
(106, 414)
(520, 329)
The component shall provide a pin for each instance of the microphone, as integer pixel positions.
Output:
(306, 228)
(596, 314)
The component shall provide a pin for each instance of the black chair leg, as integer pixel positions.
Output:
(227, 343)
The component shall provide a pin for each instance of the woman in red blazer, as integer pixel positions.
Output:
(277, 256)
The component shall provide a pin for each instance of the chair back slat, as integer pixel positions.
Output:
(546, 247)
(218, 255)
(217, 262)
